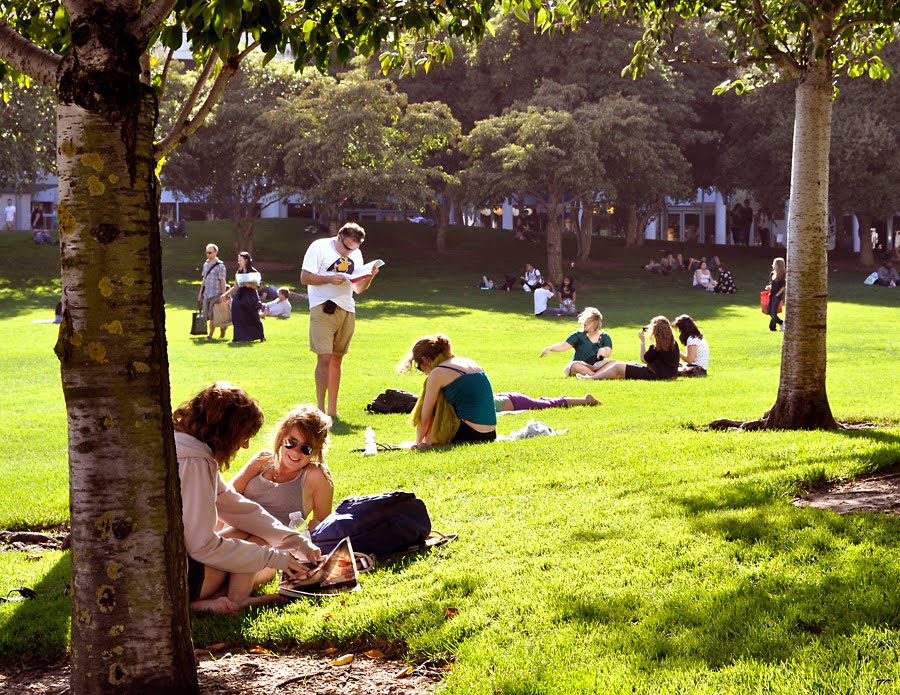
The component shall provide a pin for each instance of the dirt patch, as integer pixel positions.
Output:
(231, 674)
(876, 492)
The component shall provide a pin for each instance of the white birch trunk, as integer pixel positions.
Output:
(130, 616)
(802, 402)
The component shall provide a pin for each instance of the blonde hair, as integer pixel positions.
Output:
(590, 314)
(430, 346)
(779, 269)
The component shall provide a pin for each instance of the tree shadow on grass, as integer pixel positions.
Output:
(40, 627)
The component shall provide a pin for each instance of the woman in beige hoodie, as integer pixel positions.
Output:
(225, 566)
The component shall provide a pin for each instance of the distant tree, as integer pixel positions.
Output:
(28, 133)
(549, 155)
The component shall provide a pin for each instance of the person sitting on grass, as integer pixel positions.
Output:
(292, 477)
(660, 359)
(725, 285)
(568, 296)
(654, 266)
(696, 354)
(457, 402)
(887, 274)
(592, 344)
(510, 400)
(279, 308)
(703, 278)
(225, 566)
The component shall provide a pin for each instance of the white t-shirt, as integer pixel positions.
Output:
(10, 213)
(541, 295)
(701, 359)
(322, 258)
(280, 308)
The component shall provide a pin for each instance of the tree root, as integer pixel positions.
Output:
(743, 425)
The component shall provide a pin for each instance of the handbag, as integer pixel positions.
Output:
(198, 323)
(221, 314)
(764, 301)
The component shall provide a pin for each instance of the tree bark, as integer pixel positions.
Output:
(130, 615)
(554, 237)
(441, 212)
(802, 402)
(585, 234)
(634, 235)
(243, 225)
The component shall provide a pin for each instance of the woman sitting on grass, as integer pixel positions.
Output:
(591, 344)
(703, 278)
(224, 567)
(293, 476)
(661, 358)
(696, 354)
(457, 403)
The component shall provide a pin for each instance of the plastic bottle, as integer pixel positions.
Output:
(371, 448)
(298, 523)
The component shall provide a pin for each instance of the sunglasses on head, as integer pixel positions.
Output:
(290, 443)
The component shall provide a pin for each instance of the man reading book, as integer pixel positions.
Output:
(332, 311)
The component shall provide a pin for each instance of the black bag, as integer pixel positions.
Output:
(393, 401)
(378, 524)
(198, 323)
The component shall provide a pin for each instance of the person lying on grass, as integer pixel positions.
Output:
(292, 477)
(224, 567)
(592, 344)
(509, 400)
(457, 402)
(660, 359)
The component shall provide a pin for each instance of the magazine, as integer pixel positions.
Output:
(365, 271)
(334, 574)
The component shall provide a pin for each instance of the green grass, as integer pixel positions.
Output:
(636, 553)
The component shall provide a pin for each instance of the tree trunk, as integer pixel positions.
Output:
(866, 252)
(634, 235)
(130, 615)
(243, 224)
(554, 238)
(802, 402)
(585, 234)
(442, 221)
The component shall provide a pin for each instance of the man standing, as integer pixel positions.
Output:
(212, 287)
(332, 312)
(10, 215)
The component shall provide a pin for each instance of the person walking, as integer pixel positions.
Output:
(332, 311)
(10, 215)
(776, 289)
(212, 287)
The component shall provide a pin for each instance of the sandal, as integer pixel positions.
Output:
(364, 562)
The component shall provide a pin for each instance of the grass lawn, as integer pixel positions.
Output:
(635, 553)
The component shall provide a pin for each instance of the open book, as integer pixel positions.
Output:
(333, 574)
(365, 271)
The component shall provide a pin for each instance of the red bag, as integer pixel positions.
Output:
(764, 301)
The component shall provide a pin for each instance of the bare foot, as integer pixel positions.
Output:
(590, 400)
(221, 604)
(585, 376)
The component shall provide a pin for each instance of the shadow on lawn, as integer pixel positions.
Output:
(40, 627)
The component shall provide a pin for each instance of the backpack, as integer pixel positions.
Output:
(381, 524)
(393, 401)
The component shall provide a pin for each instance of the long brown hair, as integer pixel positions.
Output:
(663, 337)
(223, 417)
(312, 423)
(688, 328)
(778, 269)
(430, 346)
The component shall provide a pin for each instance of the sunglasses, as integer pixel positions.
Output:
(419, 366)
(290, 443)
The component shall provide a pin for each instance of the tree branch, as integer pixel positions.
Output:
(253, 46)
(185, 127)
(154, 16)
(164, 75)
(76, 8)
(20, 53)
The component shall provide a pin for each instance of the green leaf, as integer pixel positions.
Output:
(521, 13)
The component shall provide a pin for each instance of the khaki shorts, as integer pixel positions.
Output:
(208, 303)
(330, 334)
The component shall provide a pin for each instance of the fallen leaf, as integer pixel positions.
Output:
(329, 617)
(342, 661)
(448, 667)
(451, 613)
(403, 673)
(259, 650)
(331, 650)
(34, 558)
(374, 654)
(215, 647)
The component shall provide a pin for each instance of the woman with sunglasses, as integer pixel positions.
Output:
(225, 565)
(292, 477)
(457, 403)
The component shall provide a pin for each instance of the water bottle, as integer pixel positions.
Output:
(371, 448)
(298, 523)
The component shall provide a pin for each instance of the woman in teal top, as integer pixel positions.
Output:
(592, 345)
(463, 384)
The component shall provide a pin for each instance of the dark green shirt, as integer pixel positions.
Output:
(585, 350)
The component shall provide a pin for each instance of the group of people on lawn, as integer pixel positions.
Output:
(237, 536)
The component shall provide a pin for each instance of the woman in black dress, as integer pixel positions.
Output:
(660, 360)
(245, 305)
